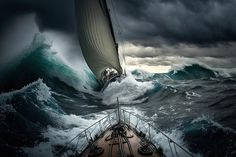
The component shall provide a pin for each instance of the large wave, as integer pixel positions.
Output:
(59, 101)
(23, 115)
(202, 131)
(186, 72)
(31, 119)
(40, 61)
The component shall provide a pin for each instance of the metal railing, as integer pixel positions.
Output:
(80, 142)
(171, 148)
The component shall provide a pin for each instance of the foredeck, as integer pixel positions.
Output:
(121, 145)
(136, 133)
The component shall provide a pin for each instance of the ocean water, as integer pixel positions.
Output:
(45, 102)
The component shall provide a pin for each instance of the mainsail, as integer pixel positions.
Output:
(96, 37)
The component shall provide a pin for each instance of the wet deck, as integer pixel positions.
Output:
(126, 146)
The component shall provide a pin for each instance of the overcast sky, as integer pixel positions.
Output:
(154, 33)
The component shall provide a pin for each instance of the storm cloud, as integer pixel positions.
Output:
(151, 32)
(147, 22)
(50, 14)
(175, 32)
(200, 22)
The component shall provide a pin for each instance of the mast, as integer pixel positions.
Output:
(108, 15)
(107, 10)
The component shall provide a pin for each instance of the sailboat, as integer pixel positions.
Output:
(97, 39)
(121, 134)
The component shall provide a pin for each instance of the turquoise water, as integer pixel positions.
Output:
(45, 102)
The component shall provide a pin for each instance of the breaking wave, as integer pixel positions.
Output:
(200, 133)
(187, 72)
(40, 61)
(45, 102)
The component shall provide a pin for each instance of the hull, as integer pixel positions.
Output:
(113, 79)
(96, 37)
(121, 134)
(122, 140)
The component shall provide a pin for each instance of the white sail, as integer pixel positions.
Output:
(96, 37)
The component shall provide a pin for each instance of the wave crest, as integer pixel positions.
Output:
(40, 61)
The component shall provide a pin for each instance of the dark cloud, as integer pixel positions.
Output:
(200, 22)
(219, 56)
(50, 14)
(149, 22)
(18, 17)
(185, 50)
(187, 28)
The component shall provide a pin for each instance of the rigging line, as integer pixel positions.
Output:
(111, 146)
(120, 32)
(176, 151)
(116, 17)
(170, 148)
(129, 145)
(120, 146)
(109, 20)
